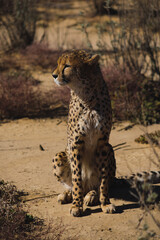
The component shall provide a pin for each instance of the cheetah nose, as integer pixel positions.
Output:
(55, 76)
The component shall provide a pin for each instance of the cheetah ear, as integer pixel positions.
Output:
(93, 60)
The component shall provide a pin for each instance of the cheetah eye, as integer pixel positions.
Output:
(66, 66)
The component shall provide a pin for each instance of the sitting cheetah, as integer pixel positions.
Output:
(88, 164)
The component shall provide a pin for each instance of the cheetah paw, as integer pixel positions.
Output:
(65, 197)
(109, 208)
(91, 198)
(76, 211)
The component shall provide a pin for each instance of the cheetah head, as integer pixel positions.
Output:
(73, 68)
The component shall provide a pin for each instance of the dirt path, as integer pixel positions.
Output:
(23, 163)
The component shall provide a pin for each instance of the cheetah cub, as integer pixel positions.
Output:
(88, 164)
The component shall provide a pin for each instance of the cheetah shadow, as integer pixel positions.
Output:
(122, 190)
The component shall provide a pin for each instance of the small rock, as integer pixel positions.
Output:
(41, 148)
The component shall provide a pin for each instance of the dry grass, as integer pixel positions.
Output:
(154, 137)
(15, 223)
(123, 89)
(132, 97)
(37, 56)
(19, 99)
(40, 56)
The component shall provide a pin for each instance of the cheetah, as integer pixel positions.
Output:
(86, 165)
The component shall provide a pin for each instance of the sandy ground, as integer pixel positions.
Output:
(67, 24)
(23, 163)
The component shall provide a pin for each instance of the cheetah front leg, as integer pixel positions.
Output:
(106, 163)
(62, 170)
(77, 191)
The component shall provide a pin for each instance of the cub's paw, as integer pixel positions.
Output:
(108, 208)
(91, 198)
(65, 197)
(76, 211)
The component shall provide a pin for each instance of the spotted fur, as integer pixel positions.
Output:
(141, 177)
(86, 160)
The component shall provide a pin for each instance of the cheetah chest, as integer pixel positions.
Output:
(91, 126)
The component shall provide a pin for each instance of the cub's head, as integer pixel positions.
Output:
(74, 68)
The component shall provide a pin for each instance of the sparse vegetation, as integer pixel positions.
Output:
(154, 137)
(17, 23)
(133, 98)
(15, 223)
(103, 6)
(40, 56)
(20, 99)
(134, 52)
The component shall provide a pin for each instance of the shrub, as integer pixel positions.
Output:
(133, 98)
(16, 95)
(135, 37)
(37, 56)
(123, 90)
(150, 104)
(15, 223)
(41, 56)
(103, 6)
(154, 137)
(19, 98)
(6, 6)
(134, 49)
(18, 23)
